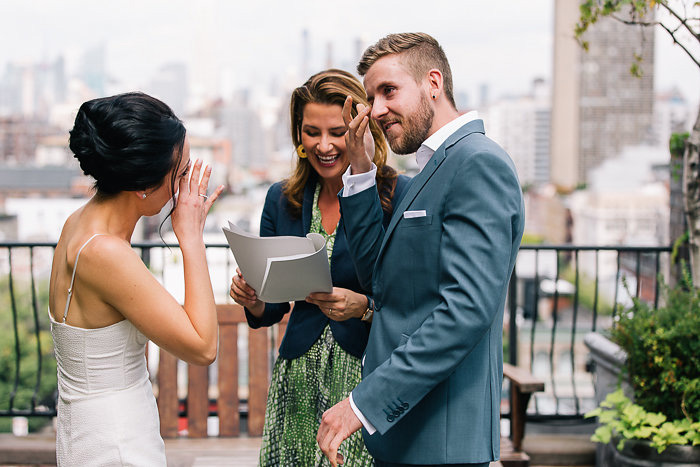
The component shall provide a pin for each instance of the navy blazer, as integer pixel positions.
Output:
(306, 323)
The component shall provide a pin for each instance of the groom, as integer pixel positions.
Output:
(431, 387)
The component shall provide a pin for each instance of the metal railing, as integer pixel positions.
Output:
(557, 294)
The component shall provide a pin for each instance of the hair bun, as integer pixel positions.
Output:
(82, 143)
(126, 142)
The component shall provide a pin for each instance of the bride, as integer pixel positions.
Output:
(104, 304)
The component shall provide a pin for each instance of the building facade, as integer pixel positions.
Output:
(598, 106)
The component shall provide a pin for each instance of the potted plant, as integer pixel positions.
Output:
(661, 364)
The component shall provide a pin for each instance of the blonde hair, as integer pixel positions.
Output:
(419, 53)
(332, 87)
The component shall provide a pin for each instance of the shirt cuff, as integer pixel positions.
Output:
(353, 184)
(368, 426)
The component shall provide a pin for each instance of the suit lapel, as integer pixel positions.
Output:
(419, 181)
(306, 205)
(415, 186)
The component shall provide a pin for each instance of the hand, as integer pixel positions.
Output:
(191, 209)
(337, 424)
(244, 295)
(340, 304)
(358, 138)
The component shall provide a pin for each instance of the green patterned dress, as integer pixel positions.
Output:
(303, 388)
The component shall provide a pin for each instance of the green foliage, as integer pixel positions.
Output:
(681, 241)
(28, 368)
(663, 369)
(29, 377)
(663, 351)
(592, 10)
(621, 419)
(532, 239)
(636, 66)
(677, 144)
(587, 293)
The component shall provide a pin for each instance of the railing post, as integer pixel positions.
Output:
(168, 405)
(197, 400)
(227, 363)
(258, 379)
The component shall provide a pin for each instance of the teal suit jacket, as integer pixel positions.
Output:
(434, 362)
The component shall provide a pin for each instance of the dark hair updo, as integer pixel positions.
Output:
(127, 142)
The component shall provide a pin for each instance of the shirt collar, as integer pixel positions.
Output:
(430, 145)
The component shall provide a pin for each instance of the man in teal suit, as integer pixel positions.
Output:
(431, 387)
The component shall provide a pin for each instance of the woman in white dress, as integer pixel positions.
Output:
(104, 304)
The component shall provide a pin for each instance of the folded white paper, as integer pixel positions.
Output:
(281, 269)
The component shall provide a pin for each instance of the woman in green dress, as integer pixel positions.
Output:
(319, 359)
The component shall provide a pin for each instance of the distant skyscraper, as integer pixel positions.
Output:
(483, 95)
(170, 85)
(521, 124)
(241, 124)
(359, 50)
(598, 106)
(11, 91)
(305, 54)
(462, 101)
(329, 54)
(93, 70)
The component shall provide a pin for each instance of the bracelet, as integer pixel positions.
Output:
(369, 312)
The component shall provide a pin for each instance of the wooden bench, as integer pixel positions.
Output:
(522, 386)
(228, 405)
(261, 343)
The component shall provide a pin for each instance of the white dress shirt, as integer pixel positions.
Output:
(353, 184)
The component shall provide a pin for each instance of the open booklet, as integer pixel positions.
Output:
(281, 269)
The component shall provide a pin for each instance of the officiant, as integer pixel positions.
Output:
(319, 358)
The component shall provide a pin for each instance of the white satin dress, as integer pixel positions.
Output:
(107, 414)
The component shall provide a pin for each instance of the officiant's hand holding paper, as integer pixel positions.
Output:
(341, 304)
(245, 295)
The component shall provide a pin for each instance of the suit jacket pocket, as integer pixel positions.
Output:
(416, 221)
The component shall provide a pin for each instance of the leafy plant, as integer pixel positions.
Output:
(622, 419)
(33, 383)
(663, 350)
(662, 368)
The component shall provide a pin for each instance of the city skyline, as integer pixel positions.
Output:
(229, 46)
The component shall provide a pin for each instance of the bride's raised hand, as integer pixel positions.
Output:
(193, 203)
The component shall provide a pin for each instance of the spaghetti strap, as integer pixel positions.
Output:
(72, 279)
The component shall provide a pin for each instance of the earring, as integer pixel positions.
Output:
(301, 152)
(143, 196)
(434, 96)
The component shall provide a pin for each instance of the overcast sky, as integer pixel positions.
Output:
(229, 44)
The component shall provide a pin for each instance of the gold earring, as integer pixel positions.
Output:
(301, 152)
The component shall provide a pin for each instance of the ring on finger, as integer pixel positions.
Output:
(204, 196)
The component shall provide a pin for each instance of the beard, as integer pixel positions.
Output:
(415, 129)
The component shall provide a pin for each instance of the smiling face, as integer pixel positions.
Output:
(399, 104)
(323, 138)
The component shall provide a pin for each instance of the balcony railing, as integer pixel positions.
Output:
(557, 294)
